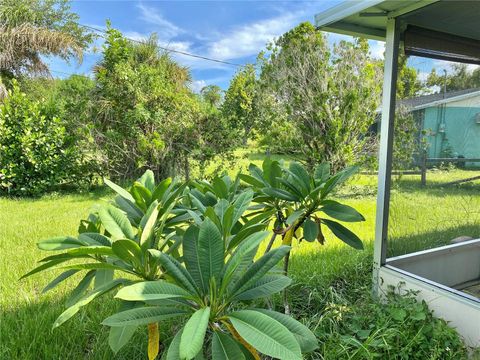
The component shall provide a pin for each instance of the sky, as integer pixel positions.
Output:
(231, 31)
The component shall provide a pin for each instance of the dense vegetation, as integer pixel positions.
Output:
(138, 112)
(331, 291)
(184, 263)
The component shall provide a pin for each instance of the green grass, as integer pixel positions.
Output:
(332, 281)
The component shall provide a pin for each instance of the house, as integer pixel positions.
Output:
(450, 122)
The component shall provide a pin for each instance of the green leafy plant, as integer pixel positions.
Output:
(36, 152)
(212, 290)
(300, 205)
(117, 238)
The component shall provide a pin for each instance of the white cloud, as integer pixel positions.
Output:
(422, 75)
(165, 29)
(197, 85)
(377, 49)
(249, 39)
(440, 65)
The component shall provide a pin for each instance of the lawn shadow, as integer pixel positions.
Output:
(27, 332)
(407, 244)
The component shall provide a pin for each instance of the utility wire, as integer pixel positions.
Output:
(168, 49)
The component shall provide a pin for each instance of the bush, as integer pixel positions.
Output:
(36, 152)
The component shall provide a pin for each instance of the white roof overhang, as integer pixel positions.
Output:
(368, 18)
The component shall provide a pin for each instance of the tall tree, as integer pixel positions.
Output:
(212, 95)
(330, 97)
(460, 78)
(32, 28)
(239, 104)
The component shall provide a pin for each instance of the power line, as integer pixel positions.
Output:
(168, 49)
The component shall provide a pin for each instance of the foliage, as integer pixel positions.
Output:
(36, 152)
(408, 84)
(125, 236)
(293, 198)
(145, 114)
(212, 95)
(460, 78)
(32, 28)
(331, 98)
(331, 283)
(401, 328)
(209, 290)
(139, 234)
(239, 104)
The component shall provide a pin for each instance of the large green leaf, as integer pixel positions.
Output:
(161, 189)
(93, 239)
(59, 243)
(63, 276)
(81, 288)
(257, 173)
(119, 336)
(116, 222)
(225, 348)
(91, 250)
(322, 172)
(344, 234)
(245, 232)
(128, 251)
(266, 334)
(143, 316)
(259, 269)
(103, 276)
(134, 213)
(45, 265)
(338, 179)
(148, 180)
(141, 194)
(119, 190)
(271, 171)
(173, 352)
(191, 256)
(251, 180)
(241, 204)
(280, 194)
(341, 212)
(72, 310)
(220, 188)
(243, 253)
(305, 338)
(193, 334)
(96, 266)
(310, 230)
(147, 224)
(301, 174)
(264, 287)
(174, 269)
(210, 252)
(151, 290)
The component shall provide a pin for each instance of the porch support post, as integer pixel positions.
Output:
(386, 147)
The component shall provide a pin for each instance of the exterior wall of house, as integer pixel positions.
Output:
(452, 129)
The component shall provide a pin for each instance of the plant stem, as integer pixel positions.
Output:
(285, 293)
(272, 239)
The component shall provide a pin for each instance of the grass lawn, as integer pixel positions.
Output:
(330, 281)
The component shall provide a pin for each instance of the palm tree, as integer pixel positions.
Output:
(32, 28)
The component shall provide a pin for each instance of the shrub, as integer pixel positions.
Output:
(36, 152)
(140, 233)
(401, 328)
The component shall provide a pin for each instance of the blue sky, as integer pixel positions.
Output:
(233, 31)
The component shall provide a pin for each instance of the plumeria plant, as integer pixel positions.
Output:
(117, 238)
(300, 203)
(214, 291)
